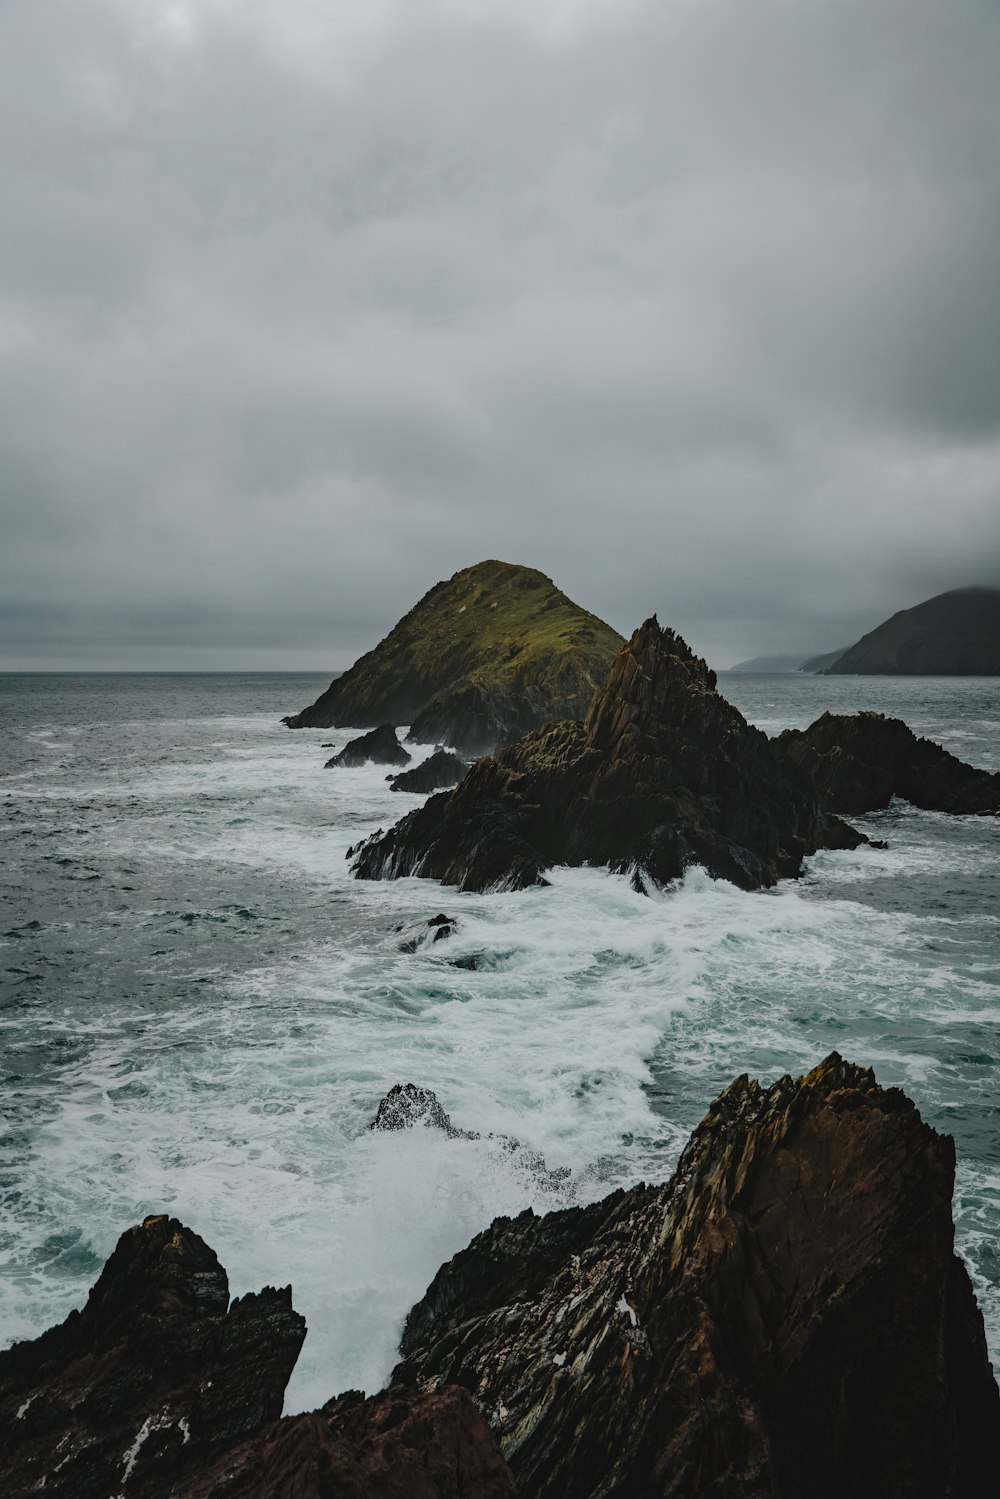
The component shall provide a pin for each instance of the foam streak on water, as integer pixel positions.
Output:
(200, 1009)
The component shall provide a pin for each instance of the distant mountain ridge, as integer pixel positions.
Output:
(483, 658)
(788, 663)
(953, 634)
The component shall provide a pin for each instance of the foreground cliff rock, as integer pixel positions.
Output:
(663, 773)
(397, 1445)
(786, 1317)
(483, 658)
(954, 634)
(160, 1390)
(858, 762)
(156, 1375)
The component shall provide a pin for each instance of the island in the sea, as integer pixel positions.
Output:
(483, 658)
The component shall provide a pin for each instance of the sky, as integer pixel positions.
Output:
(306, 304)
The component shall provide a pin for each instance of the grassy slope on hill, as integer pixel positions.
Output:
(496, 624)
(954, 634)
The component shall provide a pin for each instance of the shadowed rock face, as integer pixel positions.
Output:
(858, 762)
(663, 773)
(380, 747)
(397, 1445)
(786, 1317)
(154, 1377)
(481, 718)
(438, 770)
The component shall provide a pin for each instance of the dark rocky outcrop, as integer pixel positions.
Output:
(434, 929)
(787, 1316)
(397, 1445)
(663, 773)
(954, 634)
(380, 747)
(494, 651)
(406, 1105)
(858, 762)
(156, 1375)
(433, 774)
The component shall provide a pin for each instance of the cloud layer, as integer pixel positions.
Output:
(695, 306)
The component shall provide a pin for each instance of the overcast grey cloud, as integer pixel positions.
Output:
(693, 304)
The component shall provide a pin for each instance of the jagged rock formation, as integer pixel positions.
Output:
(397, 1445)
(858, 762)
(954, 634)
(433, 774)
(785, 1317)
(156, 1375)
(481, 659)
(380, 747)
(406, 1105)
(663, 773)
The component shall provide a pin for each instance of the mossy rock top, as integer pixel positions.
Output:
(505, 629)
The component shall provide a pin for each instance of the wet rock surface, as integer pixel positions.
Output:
(859, 761)
(663, 773)
(397, 1445)
(439, 770)
(425, 933)
(380, 747)
(407, 1104)
(785, 1317)
(154, 1376)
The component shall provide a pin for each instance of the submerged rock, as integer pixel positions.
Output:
(156, 1375)
(663, 773)
(396, 1445)
(859, 761)
(492, 652)
(437, 771)
(785, 1317)
(380, 747)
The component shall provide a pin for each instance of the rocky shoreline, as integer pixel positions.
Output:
(785, 1316)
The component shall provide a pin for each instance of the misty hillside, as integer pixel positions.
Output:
(953, 634)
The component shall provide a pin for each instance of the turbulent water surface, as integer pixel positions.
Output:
(200, 1009)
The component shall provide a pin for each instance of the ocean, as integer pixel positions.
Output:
(200, 1008)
